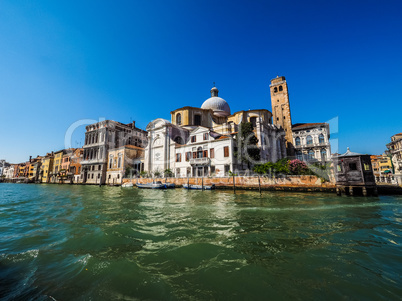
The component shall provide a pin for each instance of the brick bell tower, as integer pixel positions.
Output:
(281, 110)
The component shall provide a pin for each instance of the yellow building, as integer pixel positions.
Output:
(382, 168)
(121, 158)
(46, 168)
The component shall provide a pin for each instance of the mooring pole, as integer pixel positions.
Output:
(202, 183)
(259, 184)
(188, 182)
(234, 185)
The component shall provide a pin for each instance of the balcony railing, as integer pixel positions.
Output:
(312, 145)
(93, 161)
(200, 161)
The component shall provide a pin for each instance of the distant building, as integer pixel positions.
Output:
(9, 171)
(46, 168)
(395, 150)
(75, 164)
(3, 165)
(311, 142)
(99, 139)
(122, 159)
(382, 168)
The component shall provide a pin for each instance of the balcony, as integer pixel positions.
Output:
(93, 161)
(313, 145)
(200, 161)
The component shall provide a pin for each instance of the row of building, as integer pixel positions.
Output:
(196, 141)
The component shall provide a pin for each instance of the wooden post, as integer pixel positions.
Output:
(351, 190)
(364, 190)
(259, 184)
(202, 183)
(188, 182)
(338, 191)
(234, 185)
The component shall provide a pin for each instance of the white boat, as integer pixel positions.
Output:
(156, 185)
(199, 187)
(128, 184)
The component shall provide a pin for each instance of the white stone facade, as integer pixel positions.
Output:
(311, 142)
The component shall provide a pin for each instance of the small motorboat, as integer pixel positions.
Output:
(170, 185)
(128, 184)
(156, 185)
(199, 187)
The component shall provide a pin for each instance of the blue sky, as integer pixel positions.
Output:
(65, 61)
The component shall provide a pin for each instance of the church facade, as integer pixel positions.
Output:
(202, 141)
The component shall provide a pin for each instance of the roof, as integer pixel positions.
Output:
(349, 154)
(307, 125)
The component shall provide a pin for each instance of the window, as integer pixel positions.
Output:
(253, 121)
(339, 167)
(188, 156)
(323, 154)
(193, 138)
(352, 166)
(197, 119)
(110, 163)
(178, 140)
(280, 88)
(212, 170)
(321, 138)
(119, 164)
(205, 154)
(226, 151)
(299, 155)
(297, 140)
(366, 166)
(212, 153)
(118, 176)
(199, 152)
(206, 136)
(309, 140)
(92, 176)
(310, 155)
(275, 89)
(178, 119)
(98, 175)
(178, 157)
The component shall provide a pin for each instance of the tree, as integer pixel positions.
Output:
(168, 173)
(247, 149)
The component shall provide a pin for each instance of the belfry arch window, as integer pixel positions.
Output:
(280, 88)
(178, 119)
(297, 140)
(197, 119)
(321, 138)
(309, 140)
(275, 89)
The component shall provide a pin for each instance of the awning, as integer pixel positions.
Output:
(387, 171)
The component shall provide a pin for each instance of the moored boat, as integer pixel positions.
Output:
(199, 187)
(128, 184)
(156, 185)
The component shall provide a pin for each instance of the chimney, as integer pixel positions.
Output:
(133, 124)
(30, 158)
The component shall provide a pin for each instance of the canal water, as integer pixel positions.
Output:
(64, 242)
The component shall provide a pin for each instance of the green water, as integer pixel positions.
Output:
(62, 242)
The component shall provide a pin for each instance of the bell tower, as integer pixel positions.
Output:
(281, 110)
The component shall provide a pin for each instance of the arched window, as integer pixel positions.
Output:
(310, 155)
(321, 138)
(297, 140)
(309, 140)
(299, 155)
(199, 152)
(275, 89)
(178, 119)
(119, 162)
(178, 140)
(280, 88)
(323, 154)
(110, 162)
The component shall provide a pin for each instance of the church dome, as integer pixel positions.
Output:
(217, 104)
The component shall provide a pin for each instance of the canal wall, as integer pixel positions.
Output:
(288, 183)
